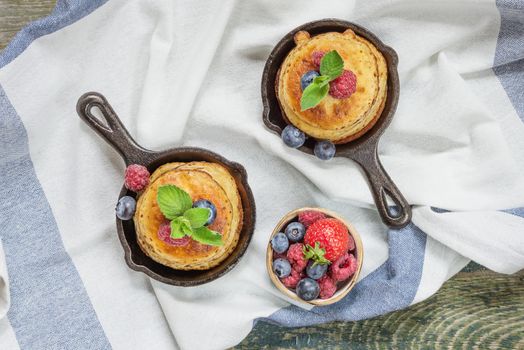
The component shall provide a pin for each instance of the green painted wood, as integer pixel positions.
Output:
(476, 309)
(473, 310)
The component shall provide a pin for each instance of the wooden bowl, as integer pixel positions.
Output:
(115, 133)
(345, 287)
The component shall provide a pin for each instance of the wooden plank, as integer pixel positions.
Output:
(473, 310)
(15, 14)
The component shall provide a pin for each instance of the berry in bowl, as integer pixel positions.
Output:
(314, 256)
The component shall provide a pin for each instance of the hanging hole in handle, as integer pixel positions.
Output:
(393, 207)
(94, 111)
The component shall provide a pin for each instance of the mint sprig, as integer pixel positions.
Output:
(331, 67)
(176, 205)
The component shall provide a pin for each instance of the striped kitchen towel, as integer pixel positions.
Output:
(187, 72)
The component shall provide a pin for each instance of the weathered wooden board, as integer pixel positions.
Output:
(14, 14)
(474, 310)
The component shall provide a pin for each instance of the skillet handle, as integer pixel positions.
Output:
(382, 187)
(114, 131)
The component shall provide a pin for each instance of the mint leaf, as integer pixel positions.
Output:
(173, 201)
(206, 236)
(186, 225)
(187, 230)
(197, 216)
(331, 65)
(321, 80)
(180, 227)
(176, 230)
(312, 95)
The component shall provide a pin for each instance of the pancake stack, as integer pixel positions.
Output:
(201, 180)
(337, 120)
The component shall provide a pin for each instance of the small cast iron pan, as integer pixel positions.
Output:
(117, 136)
(362, 150)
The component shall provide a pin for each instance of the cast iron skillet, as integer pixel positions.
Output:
(362, 150)
(117, 136)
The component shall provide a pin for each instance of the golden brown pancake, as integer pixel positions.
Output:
(337, 120)
(201, 180)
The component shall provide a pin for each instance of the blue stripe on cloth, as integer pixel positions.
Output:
(65, 13)
(512, 211)
(50, 308)
(508, 64)
(515, 211)
(390, 287)
(49, 305)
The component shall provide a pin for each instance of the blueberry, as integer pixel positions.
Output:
(295, 231)
(316, 271)
(293, 137)
(280, 243)
(125, 208)
(325, 150)
(308, 289)
(212, 209)
(307, 78)
(281, 268)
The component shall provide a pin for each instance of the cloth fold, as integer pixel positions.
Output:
(4, 284)
(188, 73)
(496, 246)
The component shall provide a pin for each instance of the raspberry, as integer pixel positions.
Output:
(295, 255)
(316, 56)
(306, 218)
(292, 280)
(331, 235)
(351, 245)
(164, 234)
(344, 86)
(328, 287)
(136, 177)
(344, 267)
